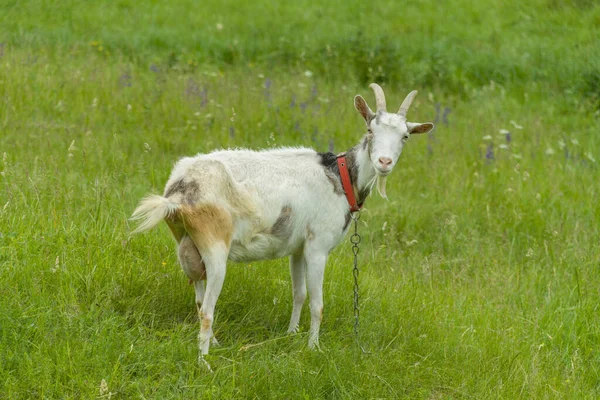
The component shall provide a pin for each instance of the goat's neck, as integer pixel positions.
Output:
(362, 172)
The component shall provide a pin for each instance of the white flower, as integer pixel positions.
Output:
(575, 142)
(517, 156)
(590, 157)
(308, 73)
(503, 146)
(517, 126)
(129, 107)
(219, 26)
(550, 151)
(561, 144)
(487, 137)
(504, 132)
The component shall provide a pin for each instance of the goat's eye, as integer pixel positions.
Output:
(405, 138)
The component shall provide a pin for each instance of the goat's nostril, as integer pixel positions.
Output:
(385, 161)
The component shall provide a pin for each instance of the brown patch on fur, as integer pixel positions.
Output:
(281, 227)
(207, 224)
(206, 323)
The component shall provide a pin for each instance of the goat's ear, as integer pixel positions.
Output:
(361, 105)
(415, 128)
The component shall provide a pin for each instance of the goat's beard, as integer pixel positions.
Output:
(381, 186)
(380, 182)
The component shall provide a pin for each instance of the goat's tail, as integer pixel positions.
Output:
(151, 211)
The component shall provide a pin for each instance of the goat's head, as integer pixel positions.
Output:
(387, 132)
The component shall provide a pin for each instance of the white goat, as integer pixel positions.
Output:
(245, 205)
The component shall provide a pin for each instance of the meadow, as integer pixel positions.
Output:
(480, 276)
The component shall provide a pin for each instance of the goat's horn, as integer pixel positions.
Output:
(379, 96)
(406, 103)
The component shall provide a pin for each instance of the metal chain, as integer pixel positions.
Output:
(355, 240)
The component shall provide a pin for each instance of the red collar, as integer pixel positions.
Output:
(347, 183)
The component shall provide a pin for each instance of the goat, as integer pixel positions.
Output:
(245, 205)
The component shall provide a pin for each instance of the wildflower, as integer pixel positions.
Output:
(447, 110)
(517, 156)
(308, 73)
(129, 107)
(550, 151)
(529, 252)
(219, 26)
(489, 153)
(575, 142)
(503, 146)
(104, 388)
(487, 137)
(590, 157)
(517, 126)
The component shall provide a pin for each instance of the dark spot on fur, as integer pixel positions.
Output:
(348, 218)
(332, 171)
(282, 227)
(188, 190)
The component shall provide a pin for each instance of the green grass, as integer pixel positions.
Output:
(479, 277)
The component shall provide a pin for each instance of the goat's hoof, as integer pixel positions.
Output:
(202, 363)
(293, 331)
(314, 345)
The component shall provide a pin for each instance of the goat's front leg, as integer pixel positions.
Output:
(315, 269)
(298, 272)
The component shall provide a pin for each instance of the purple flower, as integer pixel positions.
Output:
(204, 96)
(125, 80)
(293, 102)
(154, 68)
(489, 153)
(508, 137)
(447, 110)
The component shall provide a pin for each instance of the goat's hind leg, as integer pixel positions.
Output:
(298, 273)
(193, 266)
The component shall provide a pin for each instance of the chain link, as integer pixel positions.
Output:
(355, 240)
